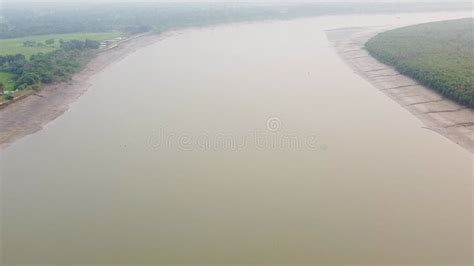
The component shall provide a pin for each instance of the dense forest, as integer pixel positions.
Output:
(439, 55)
(19, 20)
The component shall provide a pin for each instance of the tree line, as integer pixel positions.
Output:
(57, 65)
(20, 20)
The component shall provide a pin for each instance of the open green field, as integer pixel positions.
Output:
(15, 46)
(6, 79)
(439, 55)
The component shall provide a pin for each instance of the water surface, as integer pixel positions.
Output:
(245, 143)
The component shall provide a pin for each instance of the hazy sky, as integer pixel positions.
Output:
(221, 1)
(171, 1)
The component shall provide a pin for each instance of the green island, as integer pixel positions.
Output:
(439, 55)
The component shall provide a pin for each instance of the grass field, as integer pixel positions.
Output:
(6, 79)
(15, 46)
(439, 55)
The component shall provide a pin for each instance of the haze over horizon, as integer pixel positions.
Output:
(230, 1)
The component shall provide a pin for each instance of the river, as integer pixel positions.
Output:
(241, 143)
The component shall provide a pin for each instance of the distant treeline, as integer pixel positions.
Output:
(36, 43)
(18, 20)
(57, 65)
(439, 55)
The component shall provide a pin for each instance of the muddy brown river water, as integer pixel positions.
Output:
(243, 143)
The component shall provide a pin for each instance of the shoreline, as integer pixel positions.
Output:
(34, 110)
(437, 113)
(30, 113)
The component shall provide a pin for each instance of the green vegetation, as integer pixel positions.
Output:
(439, 55)
(57, 65)
(28, 62)
(28, 46)
(6, 79)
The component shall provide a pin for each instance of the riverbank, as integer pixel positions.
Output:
(438, 113)
(29, 114)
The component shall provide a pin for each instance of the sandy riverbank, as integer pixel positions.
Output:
(31, 113)
(437, 113)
